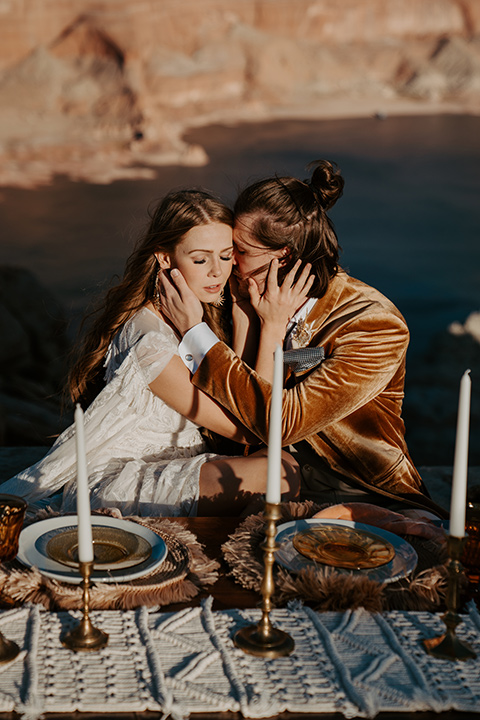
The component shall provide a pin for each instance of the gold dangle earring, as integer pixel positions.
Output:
(220, 300)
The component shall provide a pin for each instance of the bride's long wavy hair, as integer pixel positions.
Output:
(171, 219)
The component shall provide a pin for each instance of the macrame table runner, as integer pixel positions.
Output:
(184, 572)
(354, 663)
(325, 588)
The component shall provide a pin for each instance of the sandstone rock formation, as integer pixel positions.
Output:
(105, 89)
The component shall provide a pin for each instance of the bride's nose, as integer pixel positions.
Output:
(215, 269)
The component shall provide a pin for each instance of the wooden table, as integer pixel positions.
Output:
(212, 533)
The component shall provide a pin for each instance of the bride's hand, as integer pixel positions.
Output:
(179, 304)
(277, 305)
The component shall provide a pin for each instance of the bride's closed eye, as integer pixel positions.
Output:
(203, 260)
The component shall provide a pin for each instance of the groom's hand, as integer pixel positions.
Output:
(278, 303)
(179, 304)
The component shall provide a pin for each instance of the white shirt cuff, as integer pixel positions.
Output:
(195, 345)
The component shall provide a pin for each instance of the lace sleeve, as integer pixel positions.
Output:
(154, 350)
(148, 341)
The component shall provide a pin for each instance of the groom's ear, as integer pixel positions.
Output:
(163, 260)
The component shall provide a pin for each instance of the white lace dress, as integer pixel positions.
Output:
(143, 457)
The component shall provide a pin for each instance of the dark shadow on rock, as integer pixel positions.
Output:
(432, 391)
(33, 360)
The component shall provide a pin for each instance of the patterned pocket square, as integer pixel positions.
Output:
(302, 359)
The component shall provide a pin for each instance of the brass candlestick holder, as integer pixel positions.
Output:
(8, 649)
(263, 639)
(448, 646)
(85, 636)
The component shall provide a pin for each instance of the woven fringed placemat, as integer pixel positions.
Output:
(185, 571)
(324, 588)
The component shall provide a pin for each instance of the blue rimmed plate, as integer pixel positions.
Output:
(35, 539)
(402, 564)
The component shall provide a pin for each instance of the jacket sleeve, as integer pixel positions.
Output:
(360, 363)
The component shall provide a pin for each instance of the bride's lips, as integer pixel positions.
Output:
(213, 288)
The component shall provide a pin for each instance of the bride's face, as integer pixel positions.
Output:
(204, 256)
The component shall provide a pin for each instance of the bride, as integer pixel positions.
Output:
(145, 452)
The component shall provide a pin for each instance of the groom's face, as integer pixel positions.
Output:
(251, 258)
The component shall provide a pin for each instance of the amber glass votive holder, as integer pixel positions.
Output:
(471, 551)
(12, 514)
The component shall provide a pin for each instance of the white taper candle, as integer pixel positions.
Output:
(275, 431)
(85, 540)
(460, 462)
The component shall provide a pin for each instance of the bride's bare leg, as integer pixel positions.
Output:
(230, 485)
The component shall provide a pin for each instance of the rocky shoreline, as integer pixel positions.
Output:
(30, 168)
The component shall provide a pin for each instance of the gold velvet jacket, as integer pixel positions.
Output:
(348, 408)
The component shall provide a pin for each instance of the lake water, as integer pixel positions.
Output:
(409, 220)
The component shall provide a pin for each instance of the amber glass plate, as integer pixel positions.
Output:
(112, 548)
(343, 547)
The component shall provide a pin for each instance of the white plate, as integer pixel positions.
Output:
(404, 562)
(34, 538)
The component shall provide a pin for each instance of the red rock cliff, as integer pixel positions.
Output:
(87, 87)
